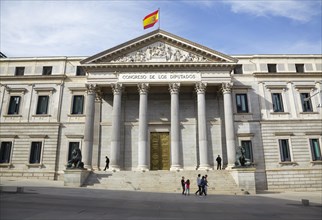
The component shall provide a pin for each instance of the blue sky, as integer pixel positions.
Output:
(86, 27)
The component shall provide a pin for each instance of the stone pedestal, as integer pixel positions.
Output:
(75, 177)
(245, 179)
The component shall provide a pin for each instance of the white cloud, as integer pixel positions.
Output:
(33, 28)
(297, 10)
(65, 28)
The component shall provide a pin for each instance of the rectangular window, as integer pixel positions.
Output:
(241, 103)
(20, 71)
(5, 152)
(247, 145)
(238, 69)
(72, 146)
(271, 68)
(47, 70)
(277, 102)
(306, 102)
(35, 152)
(78, 104)
(42, 105)
(80, 71)
(315, 149)
(299, 68)
(284, 150)
(14, 105)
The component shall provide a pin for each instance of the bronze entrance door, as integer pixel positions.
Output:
(160, 151)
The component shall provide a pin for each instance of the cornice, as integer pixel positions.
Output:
(34, 124)
(45, 58)
(34, 77)
(157, 65)
(286, 74)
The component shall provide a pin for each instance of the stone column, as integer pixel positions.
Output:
(175, 127)
(97, 131)
(89, 126)
(116, 127)
(229, 125)
(202, 126)
(143, 127)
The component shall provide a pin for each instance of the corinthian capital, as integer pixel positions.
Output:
(99, 95)
(116, 88)
(143, 88)
(174, 87)
(226, 87)
(91, 88)
(201, 87)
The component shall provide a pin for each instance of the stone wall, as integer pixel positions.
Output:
(295, 180)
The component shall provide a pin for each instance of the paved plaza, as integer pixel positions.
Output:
(52, 202)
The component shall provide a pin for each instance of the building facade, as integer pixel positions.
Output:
(161, 102)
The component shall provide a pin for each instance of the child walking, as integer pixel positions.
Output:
(187, 186)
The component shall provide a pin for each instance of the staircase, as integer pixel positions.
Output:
(219, 181)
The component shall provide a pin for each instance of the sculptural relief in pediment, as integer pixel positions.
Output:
(160, 52)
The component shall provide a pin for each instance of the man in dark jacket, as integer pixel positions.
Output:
(218, 162)
(183, 185)
(203, 184)
(107, 162)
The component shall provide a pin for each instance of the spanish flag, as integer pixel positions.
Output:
(151, 19)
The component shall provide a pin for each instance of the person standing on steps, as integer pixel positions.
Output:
(107, 162)
(198, 184)
(183, 183)
(218, 159)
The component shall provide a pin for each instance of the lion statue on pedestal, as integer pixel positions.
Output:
(76, 161)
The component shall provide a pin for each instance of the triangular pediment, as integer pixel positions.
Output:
(159, 47)
(160, 52)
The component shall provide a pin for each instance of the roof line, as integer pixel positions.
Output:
(158, 31)
(119, 46)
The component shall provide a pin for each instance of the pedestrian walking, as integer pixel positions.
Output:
(187, 186)
(206, 184)
(198, 184)
(218, 159)
(183, 183)
(203, 184)
(107, 162)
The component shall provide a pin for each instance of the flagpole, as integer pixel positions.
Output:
(159, 18)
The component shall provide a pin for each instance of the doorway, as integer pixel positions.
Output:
(160, 151)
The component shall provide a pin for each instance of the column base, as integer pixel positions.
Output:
(230, 167)
(176, 168)
(88, 167)
(114, 168)
(205, 167)
(143, 168)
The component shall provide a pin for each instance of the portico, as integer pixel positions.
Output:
(172, 123)
(161, 83)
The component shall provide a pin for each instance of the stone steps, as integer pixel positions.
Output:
(219, 182)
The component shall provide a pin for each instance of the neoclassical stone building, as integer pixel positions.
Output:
(161, 102)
